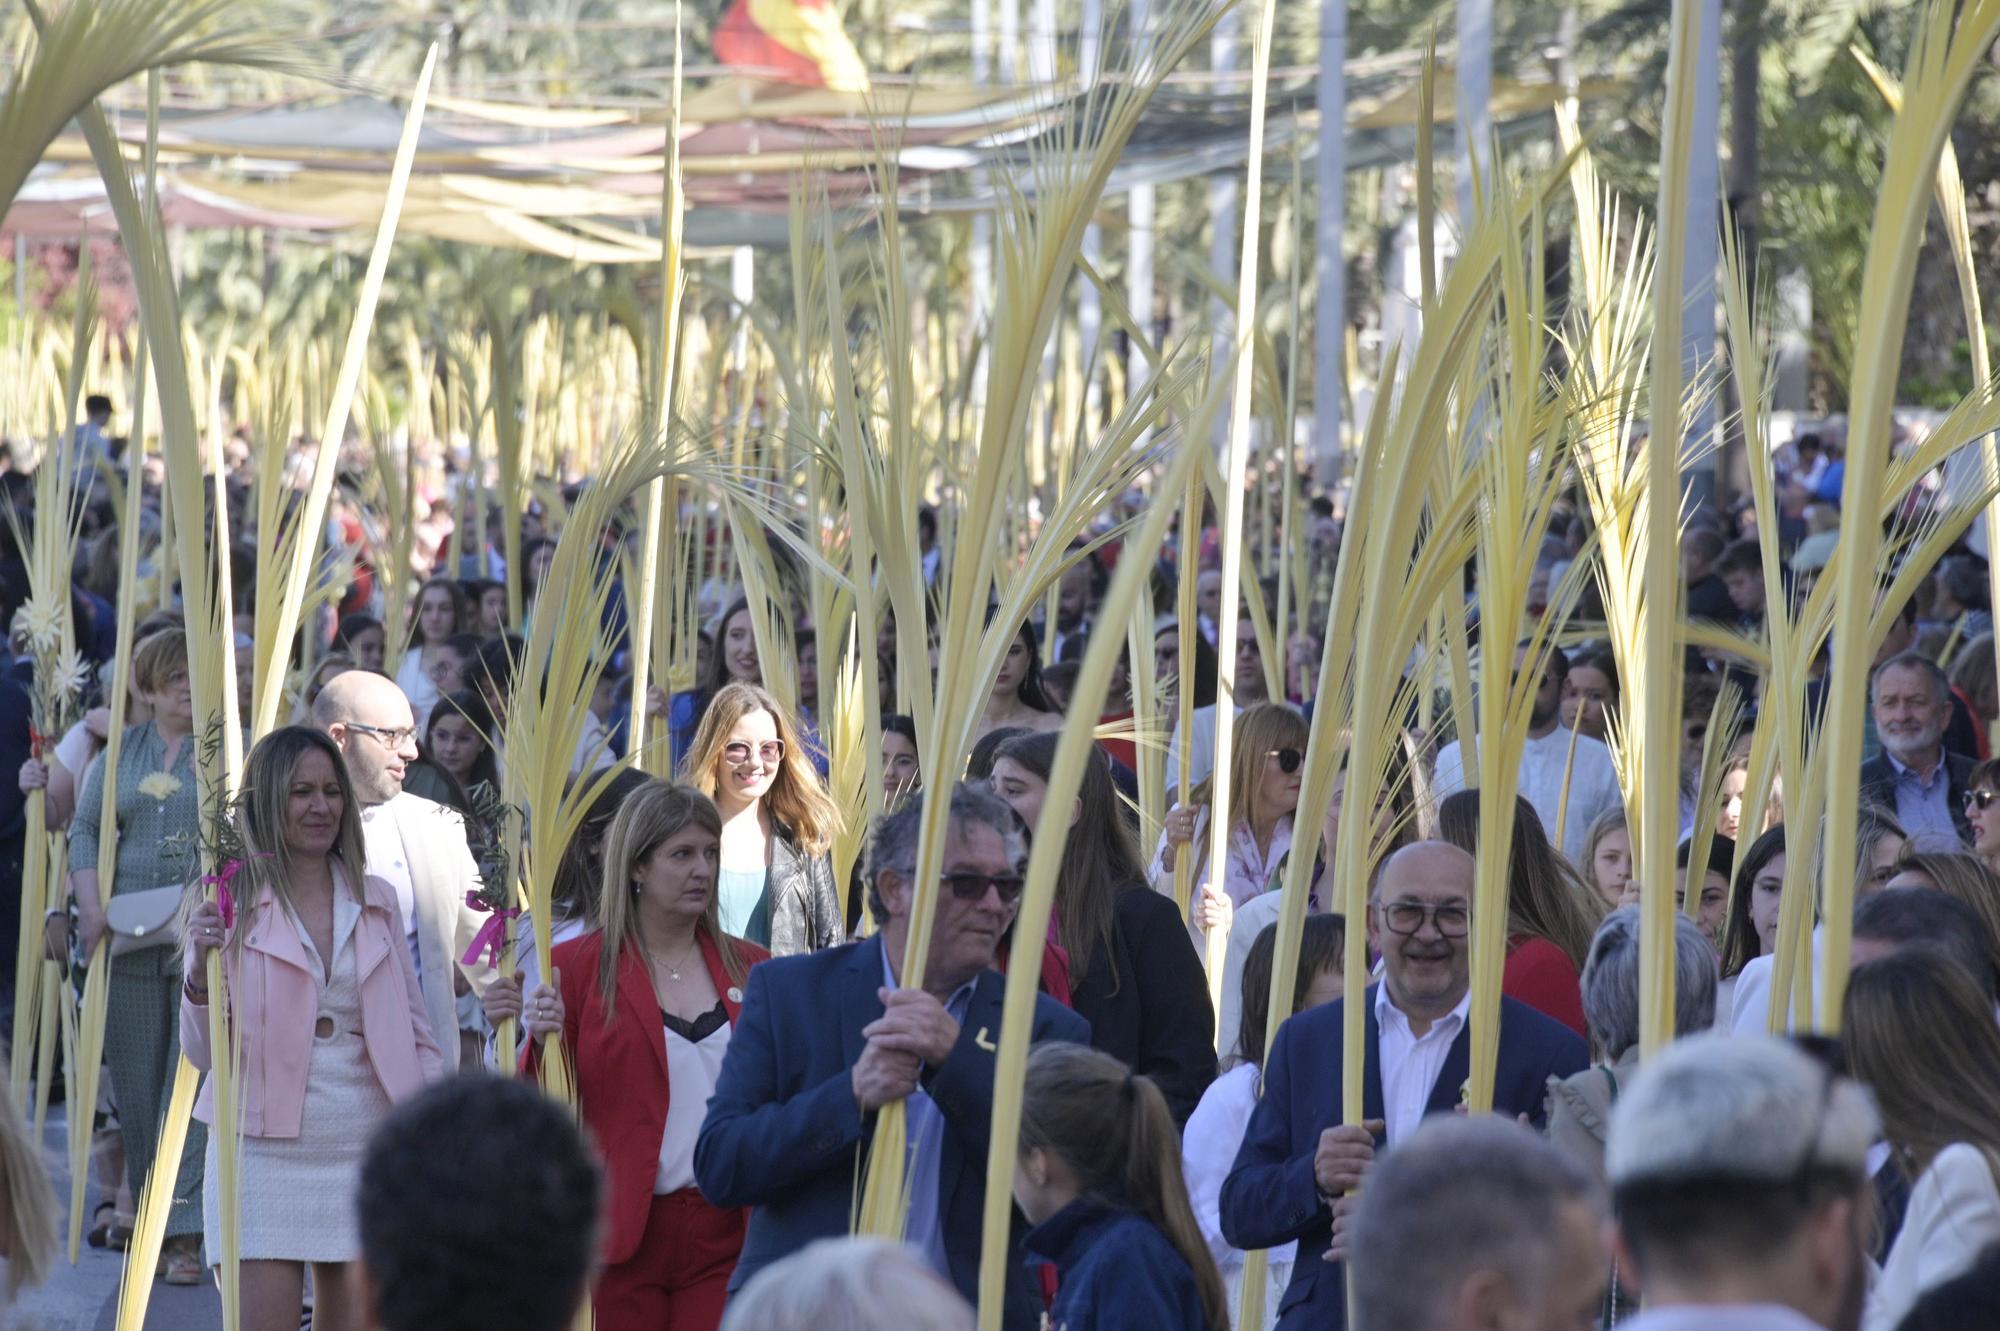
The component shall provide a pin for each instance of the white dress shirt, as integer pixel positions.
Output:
(1410, 1062)
(1593, 783)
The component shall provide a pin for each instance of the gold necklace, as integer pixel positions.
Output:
(673, 971)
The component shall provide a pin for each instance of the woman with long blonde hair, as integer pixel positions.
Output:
(649, 1000)
(776, 885)
(1919, 1031)
(1266, 769)
(329, 1023)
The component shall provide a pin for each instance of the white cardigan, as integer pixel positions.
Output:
(1954, 1215)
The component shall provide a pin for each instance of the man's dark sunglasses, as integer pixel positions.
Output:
(972, 886)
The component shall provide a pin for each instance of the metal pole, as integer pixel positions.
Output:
(982, 222)
(1329, 264)
(1089, 307)
(1475, 100)
(1223, 194)
(1698, 278)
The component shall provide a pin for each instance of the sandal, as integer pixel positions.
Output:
(181, 1266)
(102, 1222)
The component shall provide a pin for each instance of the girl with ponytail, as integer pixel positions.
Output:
(1099, 1177)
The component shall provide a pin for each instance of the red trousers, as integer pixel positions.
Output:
(679, 1277)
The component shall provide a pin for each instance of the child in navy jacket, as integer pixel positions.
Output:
(1099, 1176)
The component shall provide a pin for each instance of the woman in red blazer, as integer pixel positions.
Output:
(648, 1003)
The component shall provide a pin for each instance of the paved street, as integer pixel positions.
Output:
(84, 1297)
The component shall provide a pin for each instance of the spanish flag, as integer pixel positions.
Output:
(799, 41)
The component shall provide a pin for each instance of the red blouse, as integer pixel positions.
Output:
(1541, 975)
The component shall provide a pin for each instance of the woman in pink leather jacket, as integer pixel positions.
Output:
(324, 1005)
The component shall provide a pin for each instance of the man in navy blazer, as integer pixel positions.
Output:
(828, 1038)
(1297, 1161)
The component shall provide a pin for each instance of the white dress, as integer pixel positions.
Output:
(1208, 1149)
(297, 1194)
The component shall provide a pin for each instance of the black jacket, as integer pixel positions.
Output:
(1147, 1001)
(1878, 786)
(805, 905)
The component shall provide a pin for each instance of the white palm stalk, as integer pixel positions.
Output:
(1657, 723)
(1221, 816)
(656, 545)
(297, 541)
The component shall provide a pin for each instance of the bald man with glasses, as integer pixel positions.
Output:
(414, 844)
(1298, 1162)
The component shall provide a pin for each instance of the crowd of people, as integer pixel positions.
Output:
(733, 1016)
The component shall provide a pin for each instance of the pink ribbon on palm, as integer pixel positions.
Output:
(491, 940)
(225, 901)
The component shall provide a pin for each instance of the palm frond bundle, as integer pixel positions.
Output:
(1521, 464)
(203, 565)
(1038, 897)
(1949, 46)
(1953, 212)
(84, 50)
(94, 1008)
(49, 548)
(1238, 461)
(1040, 241)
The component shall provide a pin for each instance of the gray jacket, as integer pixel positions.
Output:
(805, 904)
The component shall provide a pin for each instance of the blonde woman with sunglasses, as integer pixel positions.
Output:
(1267, 767)
(775, 885)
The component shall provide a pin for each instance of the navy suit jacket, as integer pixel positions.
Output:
(1270, 1197)
(785, 1136)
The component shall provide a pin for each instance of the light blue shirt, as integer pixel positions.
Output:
(743, 897)
(1923, 806)
(923, 1229)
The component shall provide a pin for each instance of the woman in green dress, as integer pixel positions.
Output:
(158, 836)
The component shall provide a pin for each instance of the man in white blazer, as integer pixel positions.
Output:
(415, 845)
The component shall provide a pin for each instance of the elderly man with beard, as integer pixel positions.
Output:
(1298, 1164)
(1739, 1178)
(1915, 775)
(1593, 779)
(828, 1038)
